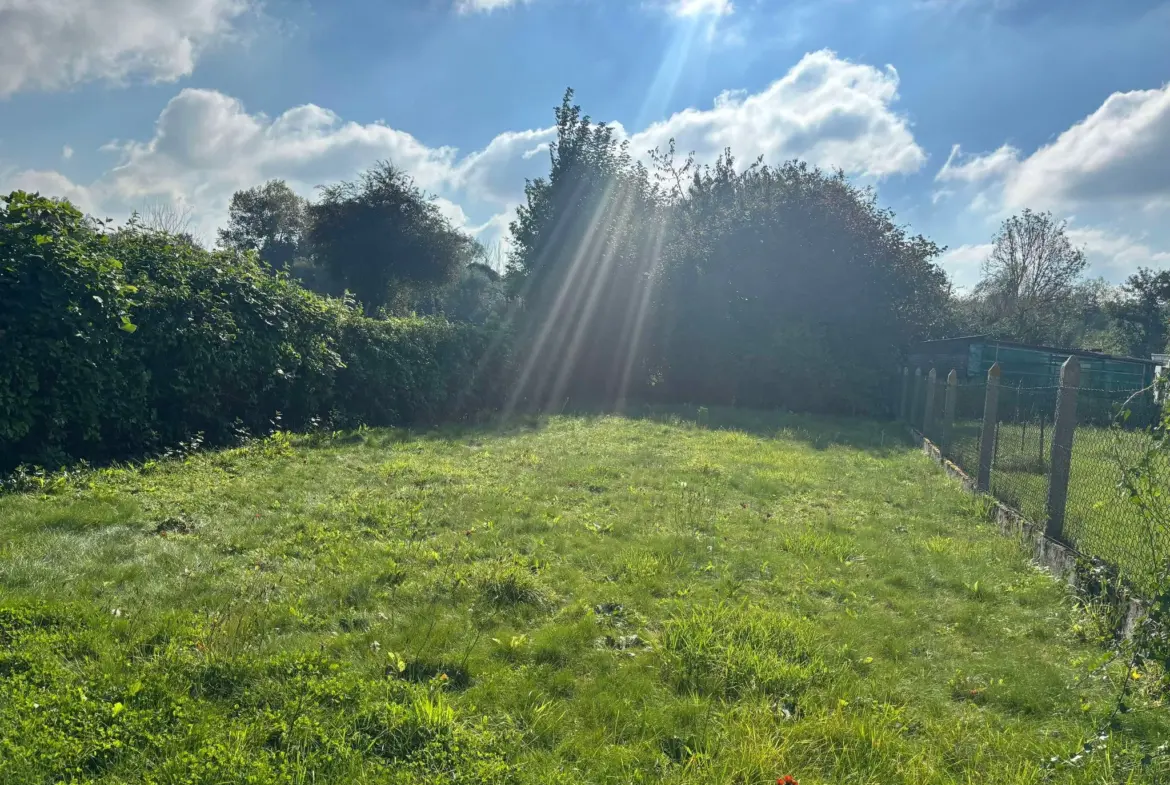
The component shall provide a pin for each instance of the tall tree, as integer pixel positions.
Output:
(585, 244)
(269, 219)
(1030, 279)
(381, 233)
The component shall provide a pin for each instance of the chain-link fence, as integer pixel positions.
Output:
(1109, 434)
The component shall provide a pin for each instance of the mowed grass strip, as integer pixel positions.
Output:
(576, 600)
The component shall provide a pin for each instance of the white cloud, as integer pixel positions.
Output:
(963, 264)
(1119, 153)
(1114, 256)
(497, 172)
(825, 110)
(55, 44)
(55, 184)
(66, 152)
(205, 145)
(976, 168)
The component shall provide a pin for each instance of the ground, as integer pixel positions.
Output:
(576, 600)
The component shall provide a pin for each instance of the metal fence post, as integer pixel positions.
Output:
(931, 394)
(1060, 458)
(919, 393)
(904, 408)
(987, 435)
(948, 424)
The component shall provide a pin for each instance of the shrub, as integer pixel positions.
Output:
(118, 344)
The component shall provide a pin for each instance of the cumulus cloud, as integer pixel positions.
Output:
(825, 110)
(55, 44)
(961, 167)
(53, 184)
(205, 145)
(1119, 153)
(1114, 255)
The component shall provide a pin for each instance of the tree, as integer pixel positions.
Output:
(1142, 312)
(764, 286)
(269, 219)
(585, 245)
(381, 233)
(788, 286)
(1030, 279)
(167, 218)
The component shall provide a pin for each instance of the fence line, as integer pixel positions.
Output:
(1056, 454)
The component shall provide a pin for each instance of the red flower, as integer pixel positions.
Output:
(787, 779)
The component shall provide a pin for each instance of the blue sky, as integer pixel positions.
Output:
(959, 112)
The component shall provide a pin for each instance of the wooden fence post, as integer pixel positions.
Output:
(987, 435)
(1060, 458)
(919, 394)
(948, 424)
(904, 408)
(931, 395)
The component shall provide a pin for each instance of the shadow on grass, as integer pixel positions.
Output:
(816, 430)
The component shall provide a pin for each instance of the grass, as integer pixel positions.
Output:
(574, 600)
(1099, 521)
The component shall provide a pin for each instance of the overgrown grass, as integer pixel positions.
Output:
(577, 600)
(1099, 520)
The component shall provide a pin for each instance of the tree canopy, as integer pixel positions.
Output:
(776, 286)
(380, 232)
(269, 219)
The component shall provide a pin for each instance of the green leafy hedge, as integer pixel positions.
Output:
(116, 344)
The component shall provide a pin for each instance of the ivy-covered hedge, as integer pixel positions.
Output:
(118, 344)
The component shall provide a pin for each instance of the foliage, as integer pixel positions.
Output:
(1145, 485)
(1030, 280)
(65, 320)
(766, 286)
(132, 341)
(477, 295)
(269, 219)
(1142, 313)
(790, 287)
(381, 232)
(562, 600)
(585, 248)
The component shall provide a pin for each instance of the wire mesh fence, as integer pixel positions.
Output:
(1109, 436)
(1112, 434)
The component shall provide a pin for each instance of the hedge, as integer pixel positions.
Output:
(119, 344)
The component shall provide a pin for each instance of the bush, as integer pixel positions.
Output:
(119, 344)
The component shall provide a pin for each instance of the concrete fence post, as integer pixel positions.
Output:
(904, 406)
(987, 435)
(1060, 459)
(928, 417)
(919, 396)
(948, 421)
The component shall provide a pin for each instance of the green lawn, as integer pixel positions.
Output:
(1098, 519)
(576, 600)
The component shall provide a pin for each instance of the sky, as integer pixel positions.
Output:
(958, 112)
